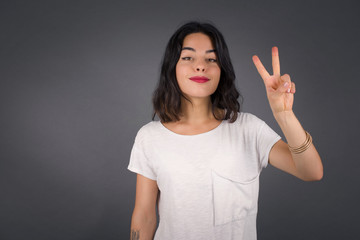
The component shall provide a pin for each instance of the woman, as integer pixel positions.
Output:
(200, 164)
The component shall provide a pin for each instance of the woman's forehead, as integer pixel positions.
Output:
(198, 42)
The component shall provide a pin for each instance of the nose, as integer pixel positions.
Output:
(200, 66)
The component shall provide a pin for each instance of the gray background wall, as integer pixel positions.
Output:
(76, 85)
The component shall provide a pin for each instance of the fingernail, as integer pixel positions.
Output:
(286, 84)
(288, 91)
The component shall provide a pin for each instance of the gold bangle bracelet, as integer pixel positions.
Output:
(304, 146)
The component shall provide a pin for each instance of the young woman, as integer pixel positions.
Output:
(200, 164)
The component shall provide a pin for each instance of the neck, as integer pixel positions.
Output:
(198, 112)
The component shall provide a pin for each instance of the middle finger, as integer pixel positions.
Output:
(275, 61)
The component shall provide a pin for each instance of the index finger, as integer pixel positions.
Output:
(260, 67)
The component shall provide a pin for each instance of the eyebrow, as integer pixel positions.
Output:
(191, 49)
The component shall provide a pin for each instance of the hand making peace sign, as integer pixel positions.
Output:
(279, 89)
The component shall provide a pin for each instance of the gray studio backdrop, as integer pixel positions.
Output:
(76, 84)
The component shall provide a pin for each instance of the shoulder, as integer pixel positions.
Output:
(248, 119)
(147, 130)
(246, 124)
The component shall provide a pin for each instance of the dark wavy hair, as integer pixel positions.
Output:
(167, 95)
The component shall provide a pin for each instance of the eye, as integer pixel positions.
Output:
(186, 58)
(212, 60)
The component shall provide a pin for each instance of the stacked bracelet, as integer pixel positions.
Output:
(304, 146)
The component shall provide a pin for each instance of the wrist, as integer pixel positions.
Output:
(284, 118)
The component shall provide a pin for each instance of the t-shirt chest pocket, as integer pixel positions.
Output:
(235, 190)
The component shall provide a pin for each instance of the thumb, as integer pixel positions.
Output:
(285, 83)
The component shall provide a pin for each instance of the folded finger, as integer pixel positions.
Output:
(293, 90)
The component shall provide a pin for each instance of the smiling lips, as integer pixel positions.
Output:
(199, 79)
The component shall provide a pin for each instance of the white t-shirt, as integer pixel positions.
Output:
(209, 182)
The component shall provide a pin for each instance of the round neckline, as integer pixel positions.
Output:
(194, 135)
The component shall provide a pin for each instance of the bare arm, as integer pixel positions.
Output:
(143, 220)
(306, 165)
(280, 92)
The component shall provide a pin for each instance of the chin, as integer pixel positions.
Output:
(198, 96)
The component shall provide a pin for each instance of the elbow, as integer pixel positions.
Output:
(321, 175)
(316, 173)
(316, 177)
(313, 179)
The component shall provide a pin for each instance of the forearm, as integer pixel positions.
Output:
(308, 163)
(142, 227)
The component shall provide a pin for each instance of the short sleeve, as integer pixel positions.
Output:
(266, 138)
(139, 163)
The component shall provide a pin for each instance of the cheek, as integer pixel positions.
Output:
(180, 74)
(178, 69)
(181, 70)
(216, 71)
(217, 74)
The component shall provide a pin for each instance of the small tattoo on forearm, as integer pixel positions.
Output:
(135, 235)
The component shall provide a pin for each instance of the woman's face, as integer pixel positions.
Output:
(197, 70)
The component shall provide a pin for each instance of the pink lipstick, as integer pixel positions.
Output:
(199, 79)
